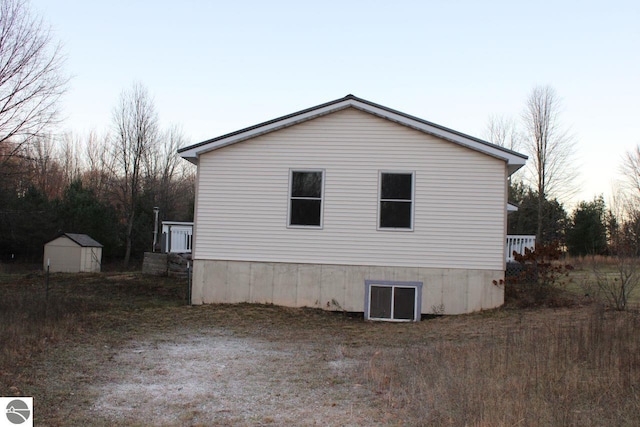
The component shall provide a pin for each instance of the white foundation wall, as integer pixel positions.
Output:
(340, 287)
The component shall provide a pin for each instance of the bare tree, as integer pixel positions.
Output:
(162, 160)
(70, 158)
(630, 171)
(550, 148)
(31, 78)
(99, 165)
(135, 136)
(45, 170)
(503, 131)
(169, 179)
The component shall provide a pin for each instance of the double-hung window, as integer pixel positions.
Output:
(395, 207)
(305, 198)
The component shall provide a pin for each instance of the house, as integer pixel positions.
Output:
(73, 253)
(353, 206)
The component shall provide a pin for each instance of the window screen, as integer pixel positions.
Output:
(404, 303)
(380, 302)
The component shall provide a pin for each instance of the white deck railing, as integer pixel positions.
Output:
(177, 237)
(517, 244)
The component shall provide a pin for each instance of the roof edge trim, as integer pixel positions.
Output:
(514, 160)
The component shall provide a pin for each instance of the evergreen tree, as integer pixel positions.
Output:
(525, 220)
(588, 232)
(80, 211)
(33, 223)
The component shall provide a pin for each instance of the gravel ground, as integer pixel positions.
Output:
(211, 365)
(216, 378)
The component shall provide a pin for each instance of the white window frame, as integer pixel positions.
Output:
(380, 200)
(289, 198)
(393, 284)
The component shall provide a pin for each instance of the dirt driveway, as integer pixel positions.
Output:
(216, 365)
(214, 377)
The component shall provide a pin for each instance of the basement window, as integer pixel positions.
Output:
(393, 301)
(305, 198)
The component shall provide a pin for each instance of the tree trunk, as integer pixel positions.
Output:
(540, 218)
(127, 253)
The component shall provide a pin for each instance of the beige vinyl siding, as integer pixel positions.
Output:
(459, 211)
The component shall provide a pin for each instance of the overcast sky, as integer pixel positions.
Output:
(218, 66)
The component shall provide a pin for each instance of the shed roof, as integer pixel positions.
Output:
(81, 239)
(514, 160)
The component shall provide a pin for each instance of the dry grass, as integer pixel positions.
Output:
(584, 372)
(586, 262)
(598, 276)
(543, 366)
(33, 320)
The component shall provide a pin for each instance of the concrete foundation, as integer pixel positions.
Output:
(340, 287)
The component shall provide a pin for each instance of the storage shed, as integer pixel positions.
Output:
(73, 253)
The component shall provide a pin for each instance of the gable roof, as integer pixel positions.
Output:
(81, 239)
(514, 160)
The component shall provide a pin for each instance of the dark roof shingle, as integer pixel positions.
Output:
(83, 240)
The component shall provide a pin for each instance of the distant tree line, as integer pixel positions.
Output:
(103, 186)
(592, 228)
